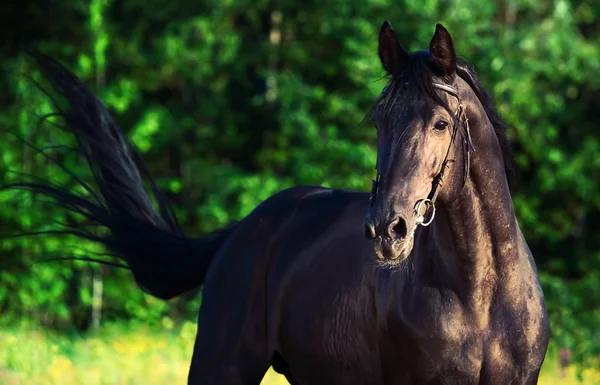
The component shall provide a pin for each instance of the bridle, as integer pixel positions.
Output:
(461, 117)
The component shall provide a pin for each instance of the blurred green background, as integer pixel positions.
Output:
(231, 101)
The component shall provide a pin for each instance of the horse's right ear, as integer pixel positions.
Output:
(391, 53)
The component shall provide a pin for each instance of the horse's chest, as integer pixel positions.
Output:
(443, 348)
(447, 345)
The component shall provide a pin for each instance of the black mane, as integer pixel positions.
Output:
(419, 73)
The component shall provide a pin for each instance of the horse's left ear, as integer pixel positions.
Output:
(442, 51)
(391, 53)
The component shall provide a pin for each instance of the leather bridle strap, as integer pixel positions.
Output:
(437, 181)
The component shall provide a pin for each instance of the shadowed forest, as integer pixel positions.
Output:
(232, 101)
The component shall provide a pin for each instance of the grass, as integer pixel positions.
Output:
(134, 356)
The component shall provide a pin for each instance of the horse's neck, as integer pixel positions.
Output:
(477, 236)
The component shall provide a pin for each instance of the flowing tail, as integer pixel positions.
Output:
(164, 261)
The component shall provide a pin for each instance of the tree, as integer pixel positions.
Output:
(232, 101)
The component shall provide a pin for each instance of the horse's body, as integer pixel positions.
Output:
(328, 296)
(309, 289)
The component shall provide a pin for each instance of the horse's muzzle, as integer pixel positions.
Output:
(392, 240)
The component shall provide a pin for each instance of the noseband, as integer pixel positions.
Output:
(461, 117)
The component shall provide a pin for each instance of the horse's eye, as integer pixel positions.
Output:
(441, 125)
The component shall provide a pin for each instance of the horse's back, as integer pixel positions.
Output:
(293, 232)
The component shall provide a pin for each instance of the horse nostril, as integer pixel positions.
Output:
(370, 230)
(398, 228)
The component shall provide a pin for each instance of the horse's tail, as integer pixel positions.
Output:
(164, 261)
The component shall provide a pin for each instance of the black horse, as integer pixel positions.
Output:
(435, 285)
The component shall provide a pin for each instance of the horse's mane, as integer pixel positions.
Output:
(468, 74)
(419, 74)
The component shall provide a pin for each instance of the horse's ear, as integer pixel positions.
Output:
(442, 51)
(391, 53)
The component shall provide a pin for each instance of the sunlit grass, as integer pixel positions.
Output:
(135, 356)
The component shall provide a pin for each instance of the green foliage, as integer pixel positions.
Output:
(232, 101)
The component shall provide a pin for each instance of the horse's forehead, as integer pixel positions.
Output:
(399, 116)
(405, 104)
